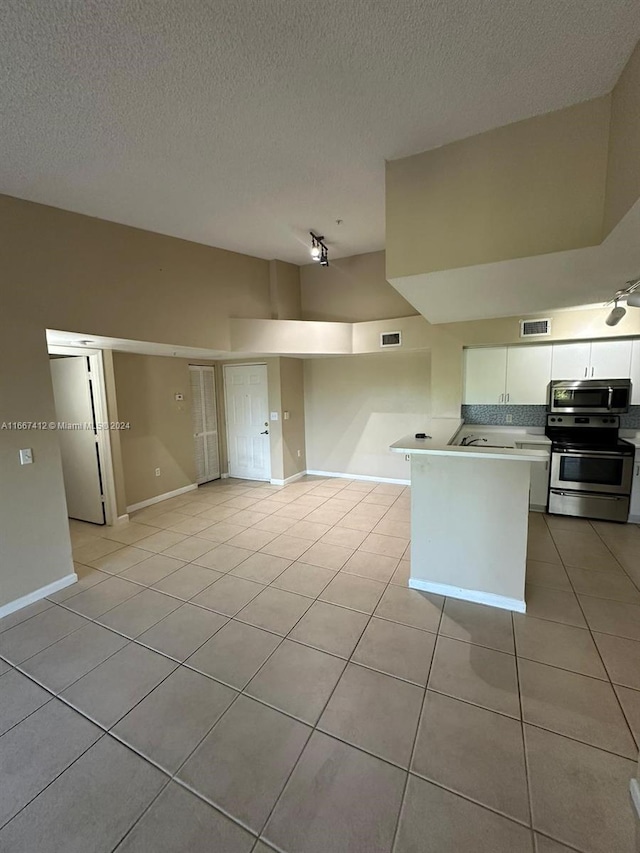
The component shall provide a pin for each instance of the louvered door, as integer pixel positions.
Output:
(205, 423)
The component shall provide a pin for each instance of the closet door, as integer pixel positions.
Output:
(205, 423)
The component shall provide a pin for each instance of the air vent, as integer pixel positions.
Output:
(534, 328)
(391, 339)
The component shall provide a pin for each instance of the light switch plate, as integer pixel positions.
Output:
(26, 456)
(285, 416)
(274, 416)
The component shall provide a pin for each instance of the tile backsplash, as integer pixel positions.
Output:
(521, 415)
(531, 416)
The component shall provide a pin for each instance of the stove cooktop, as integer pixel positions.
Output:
(621, 446)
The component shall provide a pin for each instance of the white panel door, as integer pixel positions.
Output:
(610, 360)
(246, 397)
(635, 373)
(528, 375)
(204, 415)
(484, 375)
(571, 361)
(73, 395)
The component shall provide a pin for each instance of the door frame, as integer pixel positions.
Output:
(226, 364)
(105, 457)
(195, 366)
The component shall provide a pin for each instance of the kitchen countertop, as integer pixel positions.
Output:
(443, 432)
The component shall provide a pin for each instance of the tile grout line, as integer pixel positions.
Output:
(593, 640)
(416, 734)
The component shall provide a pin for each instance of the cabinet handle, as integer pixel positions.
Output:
(585, 372)
(501, 399)
(592, 369)
(637, 470)
(507, 398)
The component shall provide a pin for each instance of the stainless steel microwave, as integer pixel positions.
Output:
(589, 396)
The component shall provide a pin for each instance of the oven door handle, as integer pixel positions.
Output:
(610, 398)
(584, 454)
(591, 497)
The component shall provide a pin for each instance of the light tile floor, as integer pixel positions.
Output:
(243, 668)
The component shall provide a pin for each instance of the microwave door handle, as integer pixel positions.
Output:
(610, 398)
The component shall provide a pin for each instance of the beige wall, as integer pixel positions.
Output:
(284, 284)
(529, 188)
(64, 271)
(351, 290)
(623, 177)
(292, 401)
(585, 324)
(34, 538)
(357, 406)
(161, 432)
(87, 275)
(291, 337)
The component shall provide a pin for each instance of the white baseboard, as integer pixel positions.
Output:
(37, 594)
(288, 480)
(166, 496)
(224, 476)
(359, 477)
(474, 595)
(121, 519)
(634, 519)
(634, 787)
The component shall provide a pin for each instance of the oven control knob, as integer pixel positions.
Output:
(559, 420)
(553, 420)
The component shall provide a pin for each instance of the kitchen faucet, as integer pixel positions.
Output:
(470, 439)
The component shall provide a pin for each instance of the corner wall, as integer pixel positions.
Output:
(356, 406)
(351, 290)
(161, 432)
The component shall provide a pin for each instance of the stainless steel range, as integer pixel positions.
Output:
(591, 467)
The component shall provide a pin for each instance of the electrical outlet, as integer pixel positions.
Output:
(26, 456)
(157, 472)
(299, 454)
(407, 457)
(508, 419)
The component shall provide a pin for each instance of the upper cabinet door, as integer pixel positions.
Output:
(528, 375)
(610, 360)
(484, 375)
(571, 361)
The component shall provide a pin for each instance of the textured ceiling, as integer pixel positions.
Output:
(244, 124)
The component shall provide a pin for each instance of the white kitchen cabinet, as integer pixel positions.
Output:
(635, 373)
(539, 485)
(592, 360)
(484, 375)
(528, 375)
(634, 509)
(571, 361)
(610, 360)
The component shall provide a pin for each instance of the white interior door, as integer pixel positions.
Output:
(247, 405)
(73, 394)
(204, 415)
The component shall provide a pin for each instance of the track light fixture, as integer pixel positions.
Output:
(617, 313)
(319, 251)
(630, 294)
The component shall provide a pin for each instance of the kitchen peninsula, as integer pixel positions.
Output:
(469, 516)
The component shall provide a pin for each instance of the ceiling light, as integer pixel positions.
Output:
(319, 251)
(617, 313)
